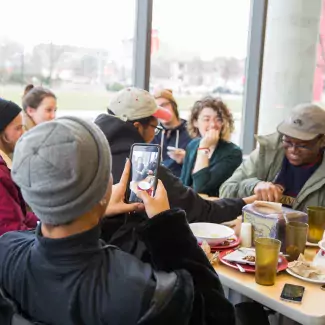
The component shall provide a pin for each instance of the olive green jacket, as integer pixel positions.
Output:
(263, 164)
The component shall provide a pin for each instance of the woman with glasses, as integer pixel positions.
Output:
(288, 166)
(210, 158)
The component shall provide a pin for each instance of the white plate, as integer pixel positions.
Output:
(305, 279)
(212, 233)
(311, 244)
(238, 255)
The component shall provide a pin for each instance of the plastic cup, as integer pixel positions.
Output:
(316, 222)
(296, 236)
(145, 186)
(266, 263)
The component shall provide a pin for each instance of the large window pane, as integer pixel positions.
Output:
(83, 51)
(199, 48)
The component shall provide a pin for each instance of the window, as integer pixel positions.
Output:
(199, 48)
(83, 51)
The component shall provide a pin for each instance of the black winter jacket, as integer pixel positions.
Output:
(79, 280)
(122, 230)
(122, 135)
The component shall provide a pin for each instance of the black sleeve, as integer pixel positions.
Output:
(196, 208)
(171, 301)
(173, 247)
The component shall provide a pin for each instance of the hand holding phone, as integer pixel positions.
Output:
(292, 293)
(145, 159)
(116, 204)
(157, 204)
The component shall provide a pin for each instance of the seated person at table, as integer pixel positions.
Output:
(132, 118)
(174, 133)
(288, 166)
(210, 158)
(63, 274)
(39, 106)
(13, 210)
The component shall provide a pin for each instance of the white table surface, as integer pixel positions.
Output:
(310, 312)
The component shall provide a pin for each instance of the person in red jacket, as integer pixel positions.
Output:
(13, 212)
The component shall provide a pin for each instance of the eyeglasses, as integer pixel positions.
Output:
(157, 128)
(288, 144)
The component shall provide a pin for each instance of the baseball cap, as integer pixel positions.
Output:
(305, 122)
(132, 104)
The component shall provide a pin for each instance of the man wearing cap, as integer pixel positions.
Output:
(13, 214)
(288, 166)
(174, 137)
(133, 119)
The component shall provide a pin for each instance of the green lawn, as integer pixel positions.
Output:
(99, 99)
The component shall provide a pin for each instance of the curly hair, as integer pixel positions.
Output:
(218, 106)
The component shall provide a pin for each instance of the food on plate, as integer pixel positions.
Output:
(249, 258)
(307, 269)
(206, 234)
(207, 250)
(206, 247)
(228, 242)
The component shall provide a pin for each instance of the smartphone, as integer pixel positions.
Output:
(145, 159)
(292, 293)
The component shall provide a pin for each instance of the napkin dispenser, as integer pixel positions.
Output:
(269, 220)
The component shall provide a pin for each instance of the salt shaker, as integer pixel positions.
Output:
(246, 234)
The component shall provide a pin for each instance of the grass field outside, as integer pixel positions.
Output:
(98, 100)
(88, 103)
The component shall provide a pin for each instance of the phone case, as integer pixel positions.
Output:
(128, 190)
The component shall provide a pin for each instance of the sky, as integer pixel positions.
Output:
(207, 27)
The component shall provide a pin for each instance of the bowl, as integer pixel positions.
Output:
(212, 233)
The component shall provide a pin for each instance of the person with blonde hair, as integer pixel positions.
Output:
(210, 157)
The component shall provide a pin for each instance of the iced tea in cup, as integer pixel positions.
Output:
(266, 262)
(145, 186)
(295, 240)
(316, 222)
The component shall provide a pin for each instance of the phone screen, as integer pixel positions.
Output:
(293, 293)
(145, 160)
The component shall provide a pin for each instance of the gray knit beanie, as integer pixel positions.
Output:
(63, 168)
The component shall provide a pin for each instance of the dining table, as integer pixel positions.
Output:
(310, 312)
(243, 287)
